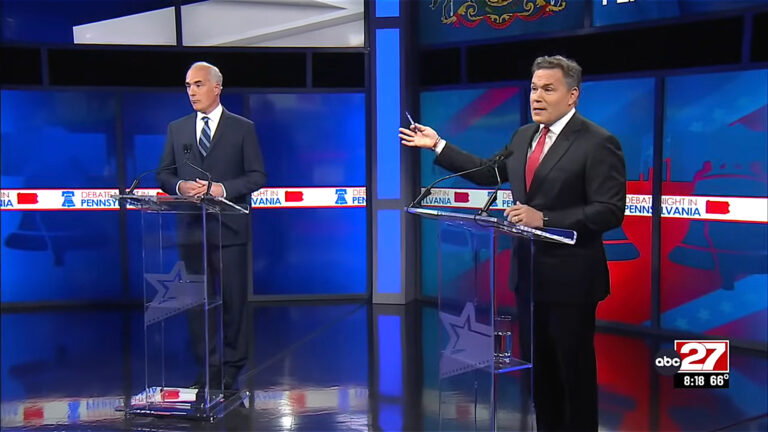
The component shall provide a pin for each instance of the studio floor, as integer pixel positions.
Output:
(338, 366)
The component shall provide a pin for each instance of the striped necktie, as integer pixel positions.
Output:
(204, 144)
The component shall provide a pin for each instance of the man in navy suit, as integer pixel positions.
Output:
(564, 172)
(224, 145)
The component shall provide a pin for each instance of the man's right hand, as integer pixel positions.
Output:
(192, 188)
(419, 136)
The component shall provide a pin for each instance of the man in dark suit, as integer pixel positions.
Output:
(565, 172)
(224, 145)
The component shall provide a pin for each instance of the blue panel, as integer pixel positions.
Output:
(388, 251)
(70, 136)
(697, 127)
(309, 251)
(311, 139)
(387, 8)
(59, 140)
(52, 21)
(390, 417)
(629, 117)
(606, 12)
(387, 113)
(611, 12)
(688, 7)
(390, 356)
(480, 121)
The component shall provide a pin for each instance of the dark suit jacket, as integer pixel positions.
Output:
(234, 160)
(580, 184)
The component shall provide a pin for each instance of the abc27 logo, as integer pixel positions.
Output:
(696, 363)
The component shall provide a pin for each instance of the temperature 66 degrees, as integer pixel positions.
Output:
(710, 380)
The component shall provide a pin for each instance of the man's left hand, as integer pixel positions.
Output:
(522, 214)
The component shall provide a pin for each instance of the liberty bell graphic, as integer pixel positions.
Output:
(733, 249)
(29, 235)
(56, 232)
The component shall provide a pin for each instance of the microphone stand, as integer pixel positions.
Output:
(492, 198)
(187, 148)
(494, 161)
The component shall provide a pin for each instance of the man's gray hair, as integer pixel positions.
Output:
(216, 76)
(571, 69)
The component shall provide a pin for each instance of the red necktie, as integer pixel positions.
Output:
(535, 157)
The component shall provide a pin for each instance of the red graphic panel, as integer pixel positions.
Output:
(294, 196)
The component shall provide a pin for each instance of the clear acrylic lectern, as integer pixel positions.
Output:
(182, 306)
(480, 339)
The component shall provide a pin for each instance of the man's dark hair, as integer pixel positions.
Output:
(571, 69)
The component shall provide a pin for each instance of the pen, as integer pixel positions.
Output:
(411, 120)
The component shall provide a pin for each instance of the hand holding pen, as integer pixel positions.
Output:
(418, 135)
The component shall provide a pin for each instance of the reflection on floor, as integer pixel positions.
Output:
(339, 366)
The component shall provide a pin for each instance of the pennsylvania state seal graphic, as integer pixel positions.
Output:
(498, 14)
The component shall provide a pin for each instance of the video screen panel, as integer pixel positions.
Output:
(629, 117)
(443, 21)
(608, 12)
(480, 121)
(58, 140)
(53, 22)
(311, 141)
(714, 265)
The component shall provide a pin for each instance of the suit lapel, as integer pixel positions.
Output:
(517, 162)
(555, 153)
(189, 134)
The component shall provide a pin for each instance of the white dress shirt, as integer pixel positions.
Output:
(554, 131)
(213, 122)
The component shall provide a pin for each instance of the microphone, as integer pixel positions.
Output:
(187, 149)
(141, 176)
(494, 161)
(491, 198)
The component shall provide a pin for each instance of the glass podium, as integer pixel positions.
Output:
(182, 277)
(481, 337)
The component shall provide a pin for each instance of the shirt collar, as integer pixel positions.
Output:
(215, 115)
(558, 126)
